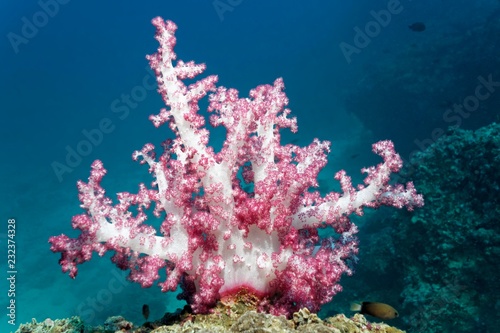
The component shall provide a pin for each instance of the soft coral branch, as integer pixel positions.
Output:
(242, 218)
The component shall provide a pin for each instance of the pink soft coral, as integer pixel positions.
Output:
(216, 238)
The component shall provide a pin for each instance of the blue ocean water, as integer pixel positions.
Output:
(66, 67)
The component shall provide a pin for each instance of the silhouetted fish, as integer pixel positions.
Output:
(145, 311)
(380, 310)
(417, 26)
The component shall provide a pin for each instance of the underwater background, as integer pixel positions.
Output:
(428, 78)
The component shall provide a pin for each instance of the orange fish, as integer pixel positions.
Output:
(380, 310)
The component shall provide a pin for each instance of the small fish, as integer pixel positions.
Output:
(374, 309)
(417, 26)
(145, 311)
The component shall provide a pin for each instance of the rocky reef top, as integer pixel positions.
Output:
(236, 315)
